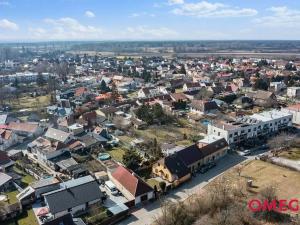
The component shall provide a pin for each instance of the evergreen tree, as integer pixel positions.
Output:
(103, 86)
(132, 160)
(182, 70)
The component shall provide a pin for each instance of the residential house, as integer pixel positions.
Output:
(179, 100)
(199, 154)
(58, 135)
(92, 140)
(172, 169)
(66, 219)
(277, 86)
(6, 182)
(190, 87)
(44, 149)
(107, 112)
(204, 107)
(293, 92)
(73, 196)
(8, 138)
(295, 111)
(5, 162)
(152, 92)
(131, 185)
(76, 129)
(26, 129)
(263, 98)
(177, 167)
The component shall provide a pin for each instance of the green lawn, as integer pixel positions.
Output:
(152, 182)
(31, 103)
(293, 154)
(117, 153)
(26, 218)
(184, 142)
(12, 196)
(27, 179)
(168, 133)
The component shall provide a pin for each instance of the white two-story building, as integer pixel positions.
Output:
(248, 127)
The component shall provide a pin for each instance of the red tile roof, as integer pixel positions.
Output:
(135, 185)
(295, 107)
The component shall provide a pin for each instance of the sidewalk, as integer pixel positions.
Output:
(287, 162)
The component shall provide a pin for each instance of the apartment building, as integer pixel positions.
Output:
(25, 77)
(249, 127)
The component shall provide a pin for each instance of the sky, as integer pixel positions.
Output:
(68, 20)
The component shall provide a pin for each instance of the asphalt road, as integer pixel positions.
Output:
(146, 215)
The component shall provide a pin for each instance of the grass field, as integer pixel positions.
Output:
(168, 133)
(12, 196)
(28, 219)
(264, 174)
(152, 182)
(117, 153)
(293, 154)
(27, 179)
(30, 102)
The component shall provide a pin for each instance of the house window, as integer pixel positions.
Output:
(230, 135)
(219, 133)
(144, 198)
(254, 129)
(249, 130)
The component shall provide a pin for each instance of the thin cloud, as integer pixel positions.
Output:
(207, 9)
(145, 32)
(175, 2)
(282, 16)
(142, 14)
(89, 14)
(8, 25)
(65, 28)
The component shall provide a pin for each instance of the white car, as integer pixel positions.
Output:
(111, 188)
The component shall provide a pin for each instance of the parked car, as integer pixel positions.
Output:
(204, 169)
(245, 152)
(211, 164)
(111, 187)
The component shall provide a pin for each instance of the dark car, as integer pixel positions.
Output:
(211, 165)
(204, 169)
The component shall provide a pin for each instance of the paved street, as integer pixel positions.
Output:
(148, 213)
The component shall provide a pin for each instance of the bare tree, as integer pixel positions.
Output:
(239, 169)
(279, 143)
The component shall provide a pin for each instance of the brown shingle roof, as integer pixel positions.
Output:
(27, 127)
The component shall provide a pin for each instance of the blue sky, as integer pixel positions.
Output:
(42, 20)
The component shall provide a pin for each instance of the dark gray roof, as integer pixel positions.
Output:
(74, 193)
(175, 165)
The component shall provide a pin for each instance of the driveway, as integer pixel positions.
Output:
(147, 214)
